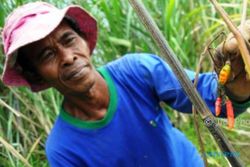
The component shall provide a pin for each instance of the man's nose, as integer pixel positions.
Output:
(67, 57)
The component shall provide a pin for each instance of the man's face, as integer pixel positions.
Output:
(63, 60)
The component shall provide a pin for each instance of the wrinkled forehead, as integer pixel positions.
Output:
(32, 49)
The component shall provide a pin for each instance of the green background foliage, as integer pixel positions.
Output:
(26, 118)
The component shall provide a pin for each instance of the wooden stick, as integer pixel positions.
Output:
(196, 123)
(241, 42)
(244, 12)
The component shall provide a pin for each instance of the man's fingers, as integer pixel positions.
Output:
(245, 30)
(229, 50)
(231, 45)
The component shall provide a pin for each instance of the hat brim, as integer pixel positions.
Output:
(42, 27)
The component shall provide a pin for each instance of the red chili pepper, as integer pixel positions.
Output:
(218, 106)
(230, 114)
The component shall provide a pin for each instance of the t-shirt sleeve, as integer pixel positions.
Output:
(156, 74)
(58, 160)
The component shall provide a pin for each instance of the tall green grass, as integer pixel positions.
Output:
(26, 118)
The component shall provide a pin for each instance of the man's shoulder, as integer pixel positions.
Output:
(135, 57)
(133, 62)
(135, 69)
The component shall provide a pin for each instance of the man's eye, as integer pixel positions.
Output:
(69, 40)
(47, 55)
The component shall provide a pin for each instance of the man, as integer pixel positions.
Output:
(110, 116)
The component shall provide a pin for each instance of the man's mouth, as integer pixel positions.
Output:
(75, 73)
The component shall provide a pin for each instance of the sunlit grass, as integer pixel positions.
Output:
(26, 118)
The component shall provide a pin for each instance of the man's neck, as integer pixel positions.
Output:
(91, 105)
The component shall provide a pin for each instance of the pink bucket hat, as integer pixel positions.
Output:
(32, 22)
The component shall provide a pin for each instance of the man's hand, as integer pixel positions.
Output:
(237, 87)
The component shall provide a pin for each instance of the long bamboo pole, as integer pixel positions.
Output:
(187, 85)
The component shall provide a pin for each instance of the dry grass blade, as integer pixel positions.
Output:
(241, 143)
(22, 131)
(242, 132)
(12, 150)
(2, 103)
(33, 147)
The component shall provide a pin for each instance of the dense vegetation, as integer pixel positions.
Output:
(26, 118)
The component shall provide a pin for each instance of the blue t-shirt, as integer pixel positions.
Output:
(135, 131)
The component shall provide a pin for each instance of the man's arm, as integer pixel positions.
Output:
(159, 77)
